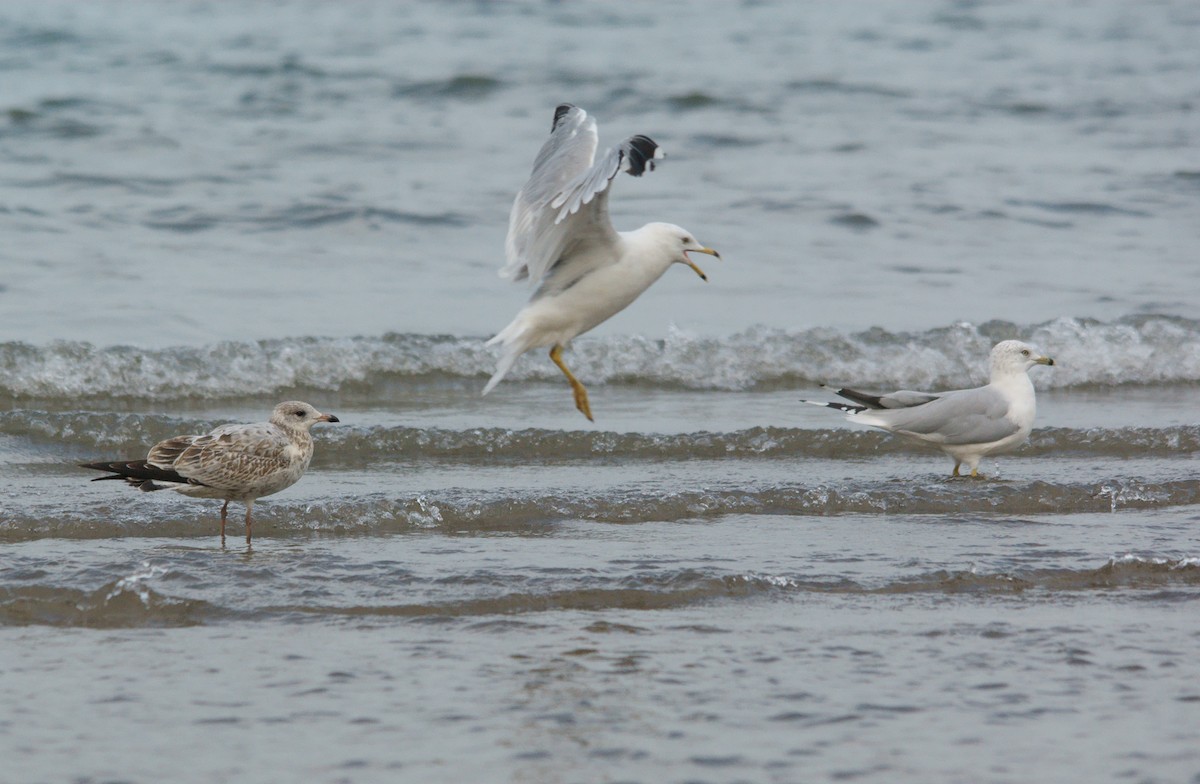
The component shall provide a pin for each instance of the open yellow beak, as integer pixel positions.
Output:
(693, 265)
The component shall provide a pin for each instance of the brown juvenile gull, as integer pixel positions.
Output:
(235, 462)
(966, 424)
(560, 237)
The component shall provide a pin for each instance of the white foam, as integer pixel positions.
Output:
(135, 582)
(1143, 350)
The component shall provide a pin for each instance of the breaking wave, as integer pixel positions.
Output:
(1132, 350)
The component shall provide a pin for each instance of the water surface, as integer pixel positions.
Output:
(210, 208)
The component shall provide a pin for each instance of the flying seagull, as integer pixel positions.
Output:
(560, 237)
(966, 424)
(235, 462)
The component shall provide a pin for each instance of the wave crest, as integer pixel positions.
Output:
(1134, 350)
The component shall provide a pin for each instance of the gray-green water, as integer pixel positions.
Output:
(208, 208)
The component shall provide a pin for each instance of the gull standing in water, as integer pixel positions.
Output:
(966, 424)
(234, 462)
(560, 236)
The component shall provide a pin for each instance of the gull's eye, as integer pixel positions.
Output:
(300, 412)
(687, 240)
(1024, 352)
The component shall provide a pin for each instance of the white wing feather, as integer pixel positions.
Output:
(564, 206)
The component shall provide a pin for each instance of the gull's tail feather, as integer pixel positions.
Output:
(511, 339)
(502, 367)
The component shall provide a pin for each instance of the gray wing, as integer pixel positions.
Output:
(564, 205)
(229, 458)
(905, 398)
(967, 416)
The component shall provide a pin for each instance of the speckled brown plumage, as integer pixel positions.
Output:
(234, 462)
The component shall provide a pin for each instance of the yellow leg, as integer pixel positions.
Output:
(581, 397)
(956, 465)
(976, 475)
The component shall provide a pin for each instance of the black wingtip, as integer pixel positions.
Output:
(640, 154)
(135, 471)
(559, 113)
(862, 398)
(115, 468)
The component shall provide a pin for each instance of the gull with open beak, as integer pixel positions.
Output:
(560, 236)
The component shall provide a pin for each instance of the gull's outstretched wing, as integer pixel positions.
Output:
(232, 457)
(563, 208)
(965, 416)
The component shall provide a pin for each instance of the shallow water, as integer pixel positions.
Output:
(209, 208)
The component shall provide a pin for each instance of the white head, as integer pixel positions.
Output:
(671, 244)
(294, 415)
(1010, 357)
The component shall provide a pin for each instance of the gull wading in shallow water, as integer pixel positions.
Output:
(560, 236)
(966, 424)
(235, 462)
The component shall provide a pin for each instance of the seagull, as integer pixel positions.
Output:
(966, 424)
(560, 236)
(235, 462)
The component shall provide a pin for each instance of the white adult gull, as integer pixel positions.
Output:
(560, 236)
(234, 462)
(967, 424)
